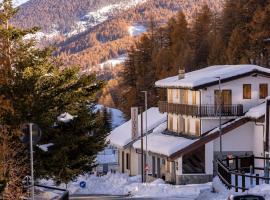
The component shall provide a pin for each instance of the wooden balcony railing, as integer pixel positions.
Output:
(201, 111)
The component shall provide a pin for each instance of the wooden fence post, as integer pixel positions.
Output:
(251, 179)
(236, 163)
(257, 179)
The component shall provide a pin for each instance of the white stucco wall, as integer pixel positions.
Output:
(239, 139)
(210, 123)
(209, 157)
(237, 91)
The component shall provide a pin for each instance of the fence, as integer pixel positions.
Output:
(238, 172)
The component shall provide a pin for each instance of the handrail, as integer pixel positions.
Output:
(204, 110)
(226, 173)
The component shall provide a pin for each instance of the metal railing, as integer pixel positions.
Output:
(231, 169)
(201, 110)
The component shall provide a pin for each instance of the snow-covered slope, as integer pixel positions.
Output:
(136, 30)
(94, 18)
(113, 62)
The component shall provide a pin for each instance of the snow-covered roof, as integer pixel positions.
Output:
(209, 75)
(122, 135)
(256, 112)
(163, 144)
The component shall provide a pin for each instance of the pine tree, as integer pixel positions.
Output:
(39, 90)
(200, 31)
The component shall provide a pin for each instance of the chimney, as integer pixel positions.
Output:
(181, 73)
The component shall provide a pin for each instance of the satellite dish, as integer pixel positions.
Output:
(36, 133)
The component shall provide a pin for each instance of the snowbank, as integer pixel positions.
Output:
(208, 75)
(122, 135)
(163, 144)
(122, 184)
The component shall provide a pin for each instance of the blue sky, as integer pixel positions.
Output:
(19, 2)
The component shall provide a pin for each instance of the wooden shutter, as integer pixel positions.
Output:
(226, 97)
(198, 130)
(263, 91)
(247, 91)
(170, 95)
(185, 92)
(194, 93)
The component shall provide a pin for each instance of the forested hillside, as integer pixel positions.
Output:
(239, 34)
(107, 35)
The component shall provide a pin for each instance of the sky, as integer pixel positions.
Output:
(17, 2)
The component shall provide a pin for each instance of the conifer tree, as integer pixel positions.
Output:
(39, 90)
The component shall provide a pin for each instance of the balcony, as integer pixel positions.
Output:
(201, 111)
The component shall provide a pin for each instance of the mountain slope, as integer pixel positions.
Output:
(93, 31)
(67, 15)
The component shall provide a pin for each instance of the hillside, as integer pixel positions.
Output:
(88, 32)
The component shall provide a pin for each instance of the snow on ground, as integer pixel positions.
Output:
(113, 62)
(136, 30)
(164, 144)
(122, 184)
(208, 75)
(117, 116)
(97, 17)
(122, 135)
(222, 193)
(42, 36)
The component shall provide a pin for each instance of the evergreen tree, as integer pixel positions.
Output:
(38, 91)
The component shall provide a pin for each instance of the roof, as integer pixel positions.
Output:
(163, 144)
(212, 135)
(208, 76)
(175, 146)
(256, 112)
(122, 136)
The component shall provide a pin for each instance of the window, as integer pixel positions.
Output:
(128, 161)
(263, 91)
(154, 166)
(247, 91)
(123, 162)
(198, 131)
(170, 95)
(194, 162)
(194, 97)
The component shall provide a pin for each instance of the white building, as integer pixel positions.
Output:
(183, 149)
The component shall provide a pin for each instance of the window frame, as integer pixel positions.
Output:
(260, 91)
(250, 93)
